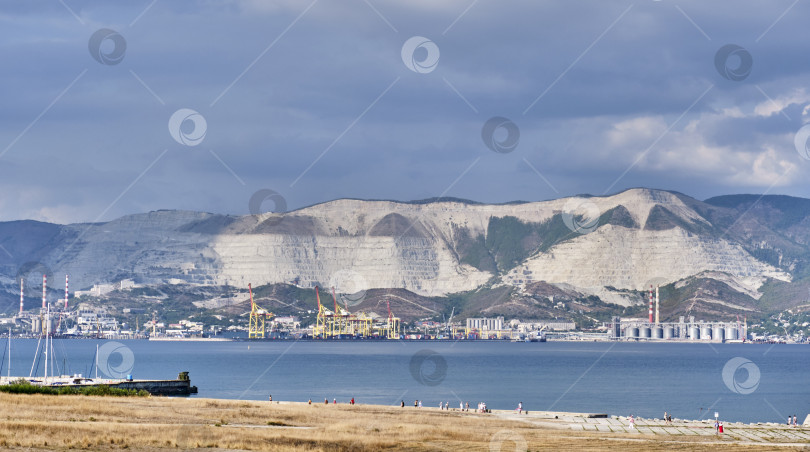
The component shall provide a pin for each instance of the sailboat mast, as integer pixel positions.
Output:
(47, 333)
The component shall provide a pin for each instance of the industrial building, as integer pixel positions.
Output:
(684, 329)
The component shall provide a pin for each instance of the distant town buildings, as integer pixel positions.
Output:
(95, 319)
(99, 290)
(545, 325)
(485, 323)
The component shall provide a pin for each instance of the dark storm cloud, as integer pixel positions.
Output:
(313, 100)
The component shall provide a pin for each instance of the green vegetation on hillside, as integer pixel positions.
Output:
(510, 241)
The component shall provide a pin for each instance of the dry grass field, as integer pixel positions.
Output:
(39, 422)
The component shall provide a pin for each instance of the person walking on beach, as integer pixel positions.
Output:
(415, 403)
(720, 428)
(441, 405)
(665, 418)
(402, 403)
(461, 406)
(632, 422)
(520, 408)
(716, 426)
(310, 401)
(352, 401)
(326, 401)
(467, 406)
(420, 404)
(795, 422)
(790, 420)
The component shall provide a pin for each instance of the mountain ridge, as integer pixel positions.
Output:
(597, 246)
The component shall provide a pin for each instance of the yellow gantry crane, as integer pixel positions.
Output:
(258, 318)
(340, 322)
(355, 325)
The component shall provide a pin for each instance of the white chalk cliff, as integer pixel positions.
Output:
(416, 246)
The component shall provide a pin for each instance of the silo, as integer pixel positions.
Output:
(632, 332)
(731, 333)
(694, 333)
(718, 333)
(669, 332)
(658, 333)
(645, 332)
(705, 332)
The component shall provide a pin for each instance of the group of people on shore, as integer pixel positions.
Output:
(462, 406)
(326, 401)
(793, 421)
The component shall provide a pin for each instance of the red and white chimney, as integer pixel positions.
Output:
(44, 285)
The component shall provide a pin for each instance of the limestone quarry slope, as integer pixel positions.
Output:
(623, 241)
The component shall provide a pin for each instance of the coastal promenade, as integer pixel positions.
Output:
(757, 433)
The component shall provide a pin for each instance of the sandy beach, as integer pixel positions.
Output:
(37, 422)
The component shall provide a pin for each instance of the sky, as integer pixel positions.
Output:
(246, 106)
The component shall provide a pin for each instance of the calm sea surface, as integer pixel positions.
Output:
(742, 382)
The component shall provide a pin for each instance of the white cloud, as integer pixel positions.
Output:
(777, 105)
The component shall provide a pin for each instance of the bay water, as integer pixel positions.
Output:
(740, 382)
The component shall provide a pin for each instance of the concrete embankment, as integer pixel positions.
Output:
(751, 434)
(159, 387)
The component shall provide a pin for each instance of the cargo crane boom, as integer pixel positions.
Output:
(258, 318)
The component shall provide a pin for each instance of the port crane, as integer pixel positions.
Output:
(258, 317)
(340, 322)
(392, 325)
(448, 328)
(320, 321)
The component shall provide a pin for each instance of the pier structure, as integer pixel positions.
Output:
(180, 387)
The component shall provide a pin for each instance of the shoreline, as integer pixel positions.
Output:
(159, 423)
(549, 415)
(407, 340)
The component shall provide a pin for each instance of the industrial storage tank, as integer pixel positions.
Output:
(669, 332)
(632, 332)
(718, 333)
(658, 333)
(731, 333)
(706, 332)
(694, 333)
(645, 332)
